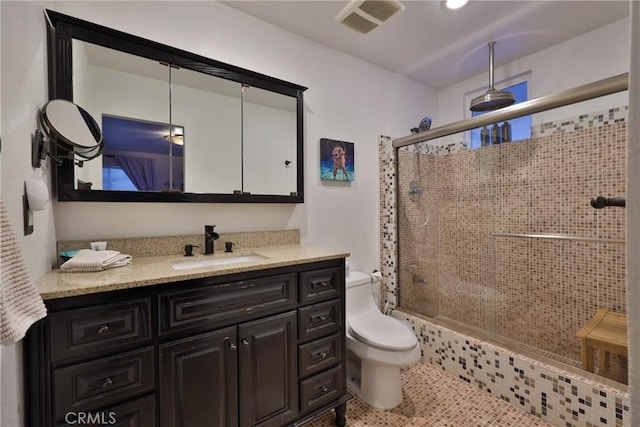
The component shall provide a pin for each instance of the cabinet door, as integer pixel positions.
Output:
(199, 381)
(268, 371)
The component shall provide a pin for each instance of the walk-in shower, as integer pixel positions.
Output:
(514, 254)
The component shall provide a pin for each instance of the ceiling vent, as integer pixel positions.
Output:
(366, 15)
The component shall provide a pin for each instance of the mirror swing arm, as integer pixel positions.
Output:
(60, 145)
(63, 29)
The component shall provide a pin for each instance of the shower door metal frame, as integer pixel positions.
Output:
(577, 94)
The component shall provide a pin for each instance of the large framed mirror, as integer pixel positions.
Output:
(178, 127)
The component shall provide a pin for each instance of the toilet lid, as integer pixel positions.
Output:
(383, 332)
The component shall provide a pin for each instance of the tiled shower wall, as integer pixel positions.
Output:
(453, 264)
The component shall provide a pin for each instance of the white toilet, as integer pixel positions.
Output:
(377, 346)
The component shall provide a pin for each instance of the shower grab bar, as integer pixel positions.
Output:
(585, 92)
(556, 236)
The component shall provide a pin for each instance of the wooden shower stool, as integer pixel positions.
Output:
(607, 333)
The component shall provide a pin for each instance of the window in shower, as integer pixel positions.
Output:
(520, 127)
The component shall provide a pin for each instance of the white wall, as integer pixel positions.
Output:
(23, 82)
(347, 99)
(592, 56)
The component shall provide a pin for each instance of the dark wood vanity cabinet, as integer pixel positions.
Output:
(264, 348)
(199, 380)
(268, 371)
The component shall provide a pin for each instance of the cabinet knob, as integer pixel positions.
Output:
(107, 383)
(323, 354)
(231, 344)
(323, 318)
(103, 329)
(324, 389)
(324, 284)
(245, 342)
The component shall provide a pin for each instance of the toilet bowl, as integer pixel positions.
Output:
(378, 346)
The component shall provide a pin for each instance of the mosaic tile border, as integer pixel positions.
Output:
(568, 124)
(555, 395)
(387, 222)
(583, 121)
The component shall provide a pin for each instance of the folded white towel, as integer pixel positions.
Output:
(20, 303)
(87, 260)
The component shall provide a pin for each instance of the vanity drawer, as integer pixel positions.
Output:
(203, 308)
(319, 319)
(319, 354)
(321, 389)
(139, 413)
(92, 385)
(319, 285)
(89, 330)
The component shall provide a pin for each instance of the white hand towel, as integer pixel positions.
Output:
(87, 260)
(20, 302)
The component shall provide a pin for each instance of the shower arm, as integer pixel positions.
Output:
(585, 92)
(491, 47)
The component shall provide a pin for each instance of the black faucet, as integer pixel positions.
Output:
(209, 237)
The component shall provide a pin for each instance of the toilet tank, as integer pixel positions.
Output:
(357, 278)
(359, 293)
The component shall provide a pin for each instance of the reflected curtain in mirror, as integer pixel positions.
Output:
(141, 171)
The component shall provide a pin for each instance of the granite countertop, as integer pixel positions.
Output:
(153, 270)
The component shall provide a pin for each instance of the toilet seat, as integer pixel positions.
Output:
(383, 332)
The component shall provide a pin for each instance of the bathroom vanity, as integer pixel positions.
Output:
(256, 343)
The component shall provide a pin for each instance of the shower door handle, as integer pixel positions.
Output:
(604, 202)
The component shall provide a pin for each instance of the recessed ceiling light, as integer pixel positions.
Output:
(453, 4)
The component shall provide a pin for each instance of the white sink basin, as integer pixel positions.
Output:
(187, 265)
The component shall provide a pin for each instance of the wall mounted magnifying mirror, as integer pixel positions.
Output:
(72, 132)
(178, 127)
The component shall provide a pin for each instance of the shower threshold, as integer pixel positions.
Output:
(529, 351)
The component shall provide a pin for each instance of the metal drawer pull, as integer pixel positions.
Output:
(322, 318)
(323, 354)
(245, 342)
(324, 389)
(103, 329)
(324, 284)
(230, 343)
(107, 383)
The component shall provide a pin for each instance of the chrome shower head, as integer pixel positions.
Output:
(492, 99)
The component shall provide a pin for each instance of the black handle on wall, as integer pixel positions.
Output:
(604, 202)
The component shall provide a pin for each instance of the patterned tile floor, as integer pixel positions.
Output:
(433, 398)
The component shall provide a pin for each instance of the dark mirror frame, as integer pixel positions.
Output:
(62, 29)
